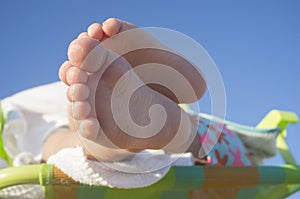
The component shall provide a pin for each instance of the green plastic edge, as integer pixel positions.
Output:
(282, 119)
(3, 153)
(45, 174)
(29, 174)
(46, 179)
(287, 188)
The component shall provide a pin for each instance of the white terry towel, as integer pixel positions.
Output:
(144, 169)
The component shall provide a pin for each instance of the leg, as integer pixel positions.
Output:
(62, 138)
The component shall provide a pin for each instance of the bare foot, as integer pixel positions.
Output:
(129, 43)
(113, 111)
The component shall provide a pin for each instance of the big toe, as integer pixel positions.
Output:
(87, 54)
(79, 49)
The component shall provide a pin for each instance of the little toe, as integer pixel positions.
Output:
(89, 128)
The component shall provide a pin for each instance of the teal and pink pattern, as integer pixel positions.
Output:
(223, 146)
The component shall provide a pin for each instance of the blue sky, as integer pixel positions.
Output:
(255, 44)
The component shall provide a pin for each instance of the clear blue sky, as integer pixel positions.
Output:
(255, 44)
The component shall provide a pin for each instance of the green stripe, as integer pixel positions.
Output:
(174, 194)
(271, 175)
(247, 193)
(151, 192)
(188, 177)
(49, 193)
(45, 174)
(175, 184)
(167, 182)
(131, 193)
(85, 191)
(292, 174)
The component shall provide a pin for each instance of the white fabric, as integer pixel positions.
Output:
(31, 115)
(144, 169)
(3, 163)
(25, 158)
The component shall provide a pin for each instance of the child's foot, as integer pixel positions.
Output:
(139, 48)
(106, 95)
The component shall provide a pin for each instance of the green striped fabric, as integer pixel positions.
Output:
(196, 181)
(180, 182)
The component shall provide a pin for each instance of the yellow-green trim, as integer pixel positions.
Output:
(3, 153)
(30, 174)
(276, 118)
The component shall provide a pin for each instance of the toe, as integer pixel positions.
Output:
(89, 128)
(62, 73)
(111, 26)
(114, 26)
(78, 92)
(87, 54)
(95, 31)
(79, 49)
(81, 110)
(75, 75)
(83, 35)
